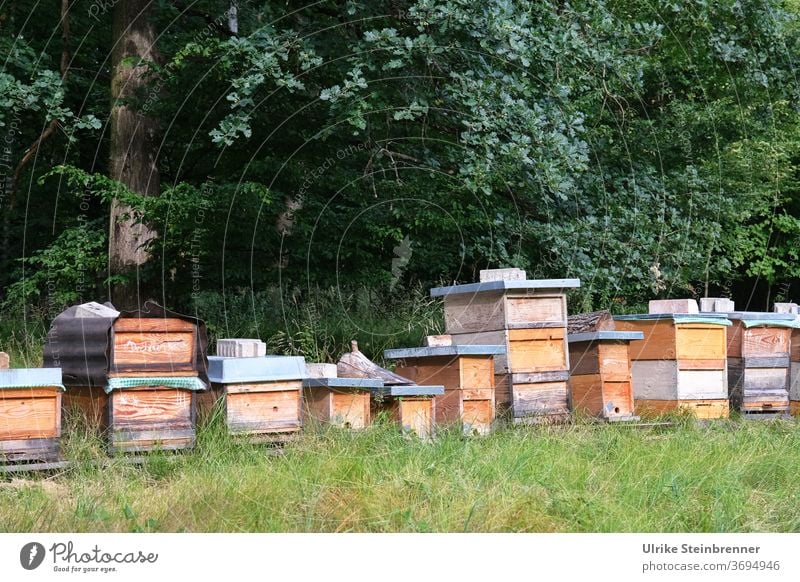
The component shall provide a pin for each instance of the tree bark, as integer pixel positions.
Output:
(133, 146)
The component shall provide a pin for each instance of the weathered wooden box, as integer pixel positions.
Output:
(467, 374)
(529, 319)
(600, 374)
(794, 371)
(258, 397)
(681, 363)
(134, 375)
(759, 346)
(30, 415)
(342, 402)
(412, 407)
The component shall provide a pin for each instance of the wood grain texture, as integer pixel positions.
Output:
(153, 325)
(658, 342)
(28, 449)
(317, 404)
(524, 310)
(586, 394)
(700, 342)
(617, 399)
(502, 392)
(700, 409)
(263, 412)
(614, 360)
(544, 398)
(702, 385)
(654, 379)
(138, 410)
(584, 358)
(719, 364)
(416, 416)
(766, 341)
(794, 408)
(350, 409)
(478, 417)
(171, 351)
(438, 371)
(473, 313)
(795, 345)
(475, 372)
(538, 350)
(30, 413)
(794, 381)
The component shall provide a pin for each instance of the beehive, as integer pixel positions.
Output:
(258, 397)
(342, 402)
(467, 374)
(413, 407)
(134, 375)
(30, 417)
(681, 362)
(600, 373)
(529, 319)
(759, 346)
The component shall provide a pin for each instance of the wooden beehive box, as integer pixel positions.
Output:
(600, 373)
(134, 375)
(759, 346)
(529, 319)
(794, 371)
(342, 402)
(467, 374)
(681, 362)
(258, 397)
(30, 417)
(413, 407)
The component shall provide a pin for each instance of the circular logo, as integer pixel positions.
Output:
(31, 555)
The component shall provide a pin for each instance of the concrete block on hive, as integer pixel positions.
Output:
(502, 275)
(707, 304)
(724, 306)
(785, 308)
(241, 348)
(673, 306)
(438, 340)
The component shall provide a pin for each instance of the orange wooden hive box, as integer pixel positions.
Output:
(341, 402)
(259, 397)
(30, 418)
(411, 406)
(134, 375)
(600, 374)
(681, 363)
(467, 374)
(529, 319)
(759, 346)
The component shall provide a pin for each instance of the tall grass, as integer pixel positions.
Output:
(725, 476)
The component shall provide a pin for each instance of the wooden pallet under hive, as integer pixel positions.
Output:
(30, 417)
(759, 346)
(679, 363)
(258, 397)
(467, 374)
(600, 374)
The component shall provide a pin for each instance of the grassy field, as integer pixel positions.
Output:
(724, 476)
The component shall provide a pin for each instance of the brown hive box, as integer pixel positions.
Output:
(30, 417)
(529, 319)
(259, 397)
(133, 375)
(681, 363)
(467, 374)
(759, 346)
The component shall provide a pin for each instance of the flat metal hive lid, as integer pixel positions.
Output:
(363, 383)
(30, 377)
(539, 284)
(605, 336)
(444, 351)
(705, 318)
(222, 370)
(413, 390)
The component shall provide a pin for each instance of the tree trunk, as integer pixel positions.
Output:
(133, 146)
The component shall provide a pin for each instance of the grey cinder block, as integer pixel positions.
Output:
(241, 348)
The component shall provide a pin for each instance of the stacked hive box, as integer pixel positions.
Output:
(758, 361)
(467, 374)
(529, 319)
(794, 357)
(259, 397)
(30, 418)
(412, 406)
(342, 402)
(600, 373)
(134, 374)
(681, 362)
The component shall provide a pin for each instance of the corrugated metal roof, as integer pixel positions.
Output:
(80, 346)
